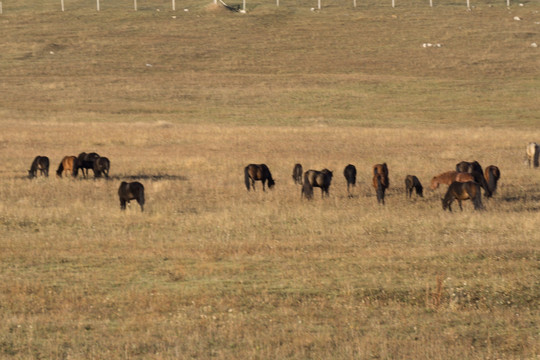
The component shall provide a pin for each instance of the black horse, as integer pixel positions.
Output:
(475, 169)
(86, 161)
(321, 179)
(259, 172)
(350, 175)
(297, 174)
(412, 183)
(102, 166)
(40, 163)
(131, 191)
(463, 191)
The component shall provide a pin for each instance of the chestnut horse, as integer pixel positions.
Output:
(492, 175)
(463, 191)
(412, 182)
(380, 181)
(321, 179)
(350, 175)
(258, 172)
(40, 163)
(533, 150)
(449, 177)
(131, 191)
(68, 164)
(297, 174)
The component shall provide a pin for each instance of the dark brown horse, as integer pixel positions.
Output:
(86, 161)
(258, 172)
(297, 174)
(321, 179)
(412, 183)
(102, 166)
(475, 169)
(449, 177)
(69, 164)
(40, 163)
(492, 175)
(350, 175)
(463, 191)
(131, 191)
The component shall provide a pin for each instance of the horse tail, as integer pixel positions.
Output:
(477, 199)
(307, 188)
(246, 177)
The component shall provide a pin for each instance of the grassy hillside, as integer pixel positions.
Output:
(183, 101)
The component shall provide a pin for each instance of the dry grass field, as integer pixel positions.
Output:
(182, 101)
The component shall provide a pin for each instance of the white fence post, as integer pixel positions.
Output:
(135, 5)
(1, 10)
(97, 5)
(430, 3)
(319, 4)
(354, 3)
(468, 5)
(244, 5)
(62, 4)
(394, 3)
(174, 5)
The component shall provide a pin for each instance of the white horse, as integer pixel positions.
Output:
(533, 151)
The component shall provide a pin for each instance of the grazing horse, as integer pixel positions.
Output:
(475, 169)
(297, 174)
(68, 164)
(321, 179)
(86, 161)
(449, 177)
(131, 191)
(260, 172)
(463, 191)
(492, 175)
(533, 150)
(412, 182)
(40, 163)
(350, 175)
(102, 166)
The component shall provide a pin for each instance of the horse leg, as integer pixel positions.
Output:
(459, 202)
(122, 204)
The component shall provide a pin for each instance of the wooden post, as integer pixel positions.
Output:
(277, 3)
(468, 5)
(97, 5)
(394, 3)
(319, 4)
(135, 4)
(62, 4)
(173, 5)
(508, 3)
(430, 3)
(354, 3)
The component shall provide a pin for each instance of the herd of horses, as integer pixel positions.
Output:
(71, 165)
(465, 183)
(100, 165)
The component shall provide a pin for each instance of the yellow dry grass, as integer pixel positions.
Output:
(183, 101)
